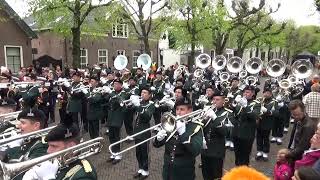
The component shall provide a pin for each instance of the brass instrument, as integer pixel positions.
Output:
(9, 114)
(224, 76)
(251, 80)
(65, 157)
(302, 68)
(31, 135)
(198, 73)
(127, 102)
(235, 64)
(120, 62)
(285, 84)
(168, 123)
(181, 69)
(166, 98)
(144, 61)
(219, 62)
(275, 68)
(243, 74)
(254, 65)
(203, 61)
(202, 100)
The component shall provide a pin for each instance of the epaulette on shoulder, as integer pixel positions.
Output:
(86, 166)
(72, 171)
(229, 110)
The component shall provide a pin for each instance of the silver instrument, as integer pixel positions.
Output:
(168, 123)
(163, 101)
(302, 68)
(219, 62)
(198, 73)
(181, 69)
(235, 64)
(251, 80)
(203, 61)
(285, 84)
(127, 102)
(120, 62)
(243, 74)
(202, 100)
(275, 68)
(144, 61)
(65, 157)
(254, 65)
(224, 76)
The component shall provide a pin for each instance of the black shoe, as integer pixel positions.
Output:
(116, 161)
(143, 177)
(137, 175)
(200, 165)
(265, 159)
(258, 158)
(110, 159)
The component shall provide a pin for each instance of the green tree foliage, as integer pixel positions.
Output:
(71, 18)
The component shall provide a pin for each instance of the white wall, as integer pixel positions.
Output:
(170, 57)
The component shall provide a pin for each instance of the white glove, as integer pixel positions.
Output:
(281, 104)
(238, 98)
(107, 89)
(47, 170)
(181, 127)
(204, 144)
(196, 89)
(85, 91)
(210, 114)
(170, 103)
(161, 135)
(103, 80)
(243, 102)
(135, 100)
(66, 84)
(230, 95)
(278, 98)
(152, 88)
(263, 109)
(125, 86)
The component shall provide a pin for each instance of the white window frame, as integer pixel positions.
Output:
(81, 64)
(121, 50)
(5, 54)
(133, 56)
(125, 29)
(106, 56)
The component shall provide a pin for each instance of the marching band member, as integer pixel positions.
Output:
(142, 81)
(270, 109)
(30, 120)
(158, 85)
(145, 110)
(179, 92)
(95, 110)
(233, 92)
(246, 114)
(60, 138)
(116, 116)
(183, 147)
(215, 131)
(132, 90)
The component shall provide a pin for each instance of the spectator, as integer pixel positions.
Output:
(306, 173)
(312, 102)
(315, 80)
(282, 169)
(303, 130)
(312, 155)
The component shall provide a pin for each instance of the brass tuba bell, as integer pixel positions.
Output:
(120, 62)
(275, 68)
(302, 68)
(235, 64)
(254, 65)
(203, 61)
(219, 62)
(285, 84)
(144, 61)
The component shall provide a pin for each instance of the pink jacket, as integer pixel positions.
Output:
(282, 171)
(308, 158)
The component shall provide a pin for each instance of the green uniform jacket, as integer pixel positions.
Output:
(95, 108)
(245, 123)
(160, 86)
(145, 112)
(80, 169)
(181, 152)
(142, 81)
(267, 119)
(116, 113)
(215, 133)
(75, 100)
(31, 150)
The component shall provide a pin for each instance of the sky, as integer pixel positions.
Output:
(301, 11)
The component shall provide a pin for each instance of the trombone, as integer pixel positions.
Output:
(168, 123)
(31, 135)
(80, 151)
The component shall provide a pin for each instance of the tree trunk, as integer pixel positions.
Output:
(76, 47)
(220, 43)
(269, 50)
(257, 51)
(192, 55)
(146, 45)
(239, 52)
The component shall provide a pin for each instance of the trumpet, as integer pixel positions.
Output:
(202, 100)
(163, 101)
(168, 123)
(80, 151)
(31, 135)
(127, 102)
(81, 88)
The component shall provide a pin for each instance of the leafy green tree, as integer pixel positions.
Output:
(70, 18)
